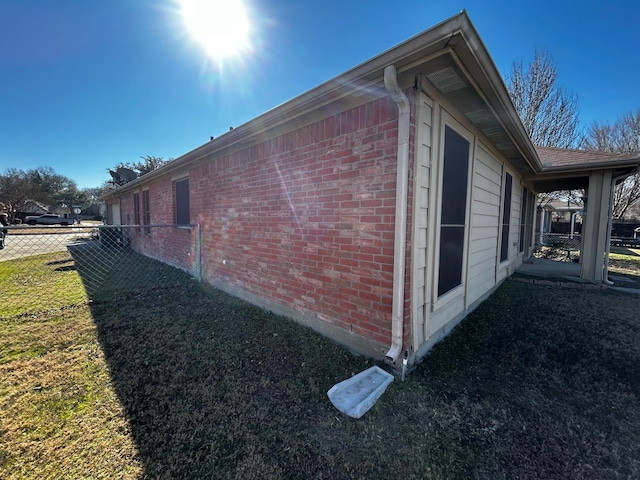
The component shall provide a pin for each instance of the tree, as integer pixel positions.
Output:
(568, 197)
(148, 164)
(548, 111)
(41, 185)
(621, 137)
(92, 207)
(52, 189)
(15, 191)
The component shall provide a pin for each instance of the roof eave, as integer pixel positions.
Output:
(603, 165)
(360, 77)
(365, 76)
(494, 85)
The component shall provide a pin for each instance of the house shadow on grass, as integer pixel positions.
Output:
(66, 265)
(212, 386)
(538, 382)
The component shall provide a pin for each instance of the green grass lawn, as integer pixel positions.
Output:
(625, 261)
(177, 382)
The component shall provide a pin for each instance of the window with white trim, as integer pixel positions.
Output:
(506, 217)
(523, 218)
(453, 210)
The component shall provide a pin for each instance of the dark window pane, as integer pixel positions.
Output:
(451, 253)
(454, 180)
(531, 216)
(146, 211)
(523, 217)
(182, 202)
(453, 210)
(506, 218)
(504, 244)
(136, 210)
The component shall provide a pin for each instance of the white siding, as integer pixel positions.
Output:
(423, 180)
(439, 319)
(514, 233)
(441, 310)
(433, 316)
(485, 223)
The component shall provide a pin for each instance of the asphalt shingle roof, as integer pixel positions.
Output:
(565, 157)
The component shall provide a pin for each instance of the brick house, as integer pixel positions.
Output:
(379, 208)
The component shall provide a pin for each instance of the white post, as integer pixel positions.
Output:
(594, 233)
(542, 213)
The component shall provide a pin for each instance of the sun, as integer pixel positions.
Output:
(220, 27)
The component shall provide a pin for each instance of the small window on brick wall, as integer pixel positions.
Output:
(136, 210)
(146, 211)
(182, 202)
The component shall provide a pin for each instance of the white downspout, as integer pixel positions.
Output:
(402, 184)
(542, 213)
(573, 224)
(607, 248)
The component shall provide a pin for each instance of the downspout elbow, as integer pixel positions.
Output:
(402, 183)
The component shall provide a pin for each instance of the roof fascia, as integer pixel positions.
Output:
(586, 167)
(494, 86)
(360, 78)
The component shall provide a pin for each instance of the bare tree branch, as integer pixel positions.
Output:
(548, 111)
(621, 137)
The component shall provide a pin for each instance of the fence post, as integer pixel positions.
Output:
(199, 252)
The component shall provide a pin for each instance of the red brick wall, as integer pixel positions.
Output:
(305, 219)
(176, 246)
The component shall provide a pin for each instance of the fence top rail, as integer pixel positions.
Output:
(34, 228)
(159, 225)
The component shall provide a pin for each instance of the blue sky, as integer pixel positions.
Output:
(88, 84)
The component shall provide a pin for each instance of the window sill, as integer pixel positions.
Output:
(446, 299)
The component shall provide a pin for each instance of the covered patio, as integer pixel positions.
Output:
(545, 267)
(597, 173)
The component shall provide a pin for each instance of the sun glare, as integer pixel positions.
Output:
(221, 27)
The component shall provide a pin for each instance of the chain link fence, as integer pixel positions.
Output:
(558, 246)
(96, 260)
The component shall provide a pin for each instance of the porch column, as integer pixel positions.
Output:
(594, 229)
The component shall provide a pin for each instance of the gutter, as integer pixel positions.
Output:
(362, 79)
(478, 53)
(402, 183)
(589, 166)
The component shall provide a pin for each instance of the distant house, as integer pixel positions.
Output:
(30, 207)
(379, 208)
(559, 217)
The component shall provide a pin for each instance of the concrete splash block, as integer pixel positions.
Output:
(356, 395)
